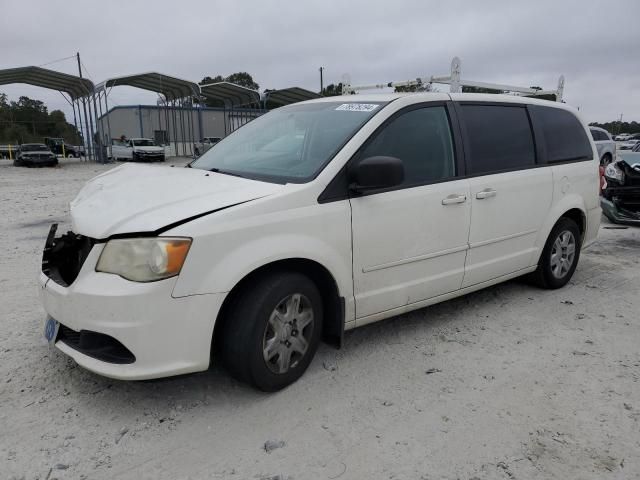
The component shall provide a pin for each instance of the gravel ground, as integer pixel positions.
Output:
(508, 383)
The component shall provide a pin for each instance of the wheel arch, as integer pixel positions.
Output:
(333, 303)
(570, 207)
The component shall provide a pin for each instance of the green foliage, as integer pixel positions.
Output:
(332, 90)
(617, 127)
(29, 120)
(480, 90)
(424, 87)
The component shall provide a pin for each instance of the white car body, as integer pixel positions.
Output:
(604, 143)
(622, 137)
(629, 144)
(388, 253)
(130, 150)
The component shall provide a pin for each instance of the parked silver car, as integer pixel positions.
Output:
(605, 144)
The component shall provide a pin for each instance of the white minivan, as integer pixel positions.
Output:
(314, 219)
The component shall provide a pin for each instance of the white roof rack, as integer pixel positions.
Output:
(456, 83)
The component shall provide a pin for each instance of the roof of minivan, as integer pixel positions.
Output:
(473, 97)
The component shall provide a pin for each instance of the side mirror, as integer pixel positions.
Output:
(374, 173)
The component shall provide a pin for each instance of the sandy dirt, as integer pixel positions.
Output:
(511, 382)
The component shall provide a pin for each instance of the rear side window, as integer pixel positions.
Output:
(421, 138)
(563, 135)
(498, 138)
(599, 136)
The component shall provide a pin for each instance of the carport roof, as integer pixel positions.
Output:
(74, 86)
(170, 87)
(290, 95)
(230, 93)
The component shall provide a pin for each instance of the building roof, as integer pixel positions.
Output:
(231, 94)
(74, 86)
(290, 95)
(170, 87)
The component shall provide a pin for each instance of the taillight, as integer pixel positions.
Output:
(603, 181)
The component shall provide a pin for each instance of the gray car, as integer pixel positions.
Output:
(605, 145)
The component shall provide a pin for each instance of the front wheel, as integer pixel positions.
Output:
(560, 255)
(272, 330)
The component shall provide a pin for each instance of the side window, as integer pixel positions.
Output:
(564, 136)
(595, 134)
(498, 138)
(421, 138)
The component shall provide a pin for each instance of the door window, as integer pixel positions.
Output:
(499, 138)
(421, 138)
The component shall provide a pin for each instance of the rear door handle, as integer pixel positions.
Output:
(486, 193)
(454, 198)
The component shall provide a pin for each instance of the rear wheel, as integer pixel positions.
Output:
(560, 255)
(606, 159)
(272, 330)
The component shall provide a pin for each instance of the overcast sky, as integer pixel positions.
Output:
(596, 45)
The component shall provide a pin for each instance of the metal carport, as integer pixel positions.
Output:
(287, 96)
(233, 98)
(175, 94)
(78, 90)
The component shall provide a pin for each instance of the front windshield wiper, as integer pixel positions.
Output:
(226, 172)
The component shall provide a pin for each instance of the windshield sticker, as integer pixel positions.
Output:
(358, 107)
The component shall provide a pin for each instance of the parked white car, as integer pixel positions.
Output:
(204, 145)
(137, 150)
(622, 137)
(605, 145)
(389, 204)
(629, 144)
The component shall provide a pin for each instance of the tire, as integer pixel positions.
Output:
(606, 159)
(553, 271)
(253, 349)
(196, 152)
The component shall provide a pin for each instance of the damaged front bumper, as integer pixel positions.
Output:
(119, 328)
(620, 200)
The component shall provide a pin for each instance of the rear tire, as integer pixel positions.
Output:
(271, 330)
(560, 255)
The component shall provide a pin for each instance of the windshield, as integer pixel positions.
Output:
(289, 144)
(34, 148)
(144, 142)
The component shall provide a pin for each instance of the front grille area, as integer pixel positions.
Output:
(96, 345)
(64, 256)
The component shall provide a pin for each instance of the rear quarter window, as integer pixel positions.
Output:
(498, 138)
(564, 137)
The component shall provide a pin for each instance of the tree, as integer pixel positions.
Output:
(28, 120)
(332, 90)
(422, 87)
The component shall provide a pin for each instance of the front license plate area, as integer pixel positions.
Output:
(51, 328)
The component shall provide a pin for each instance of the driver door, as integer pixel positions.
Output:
(410, 242)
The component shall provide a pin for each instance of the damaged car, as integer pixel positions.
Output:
(35, 155)
(313, 219)
(620, 199)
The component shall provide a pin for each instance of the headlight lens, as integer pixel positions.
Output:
(614, 172)
(144, 259)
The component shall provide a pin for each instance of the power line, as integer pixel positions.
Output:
(56, 61)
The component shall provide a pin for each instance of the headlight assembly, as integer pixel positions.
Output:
(614, 173)
(144, 259)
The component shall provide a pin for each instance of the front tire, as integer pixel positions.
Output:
(560, 255)
(272, 330)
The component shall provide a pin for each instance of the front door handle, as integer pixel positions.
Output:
(486, 193)
(454, 198)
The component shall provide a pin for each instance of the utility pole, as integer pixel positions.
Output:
(620, 125)
(321, 83)
(87, 138)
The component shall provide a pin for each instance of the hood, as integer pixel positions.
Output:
(138, 198)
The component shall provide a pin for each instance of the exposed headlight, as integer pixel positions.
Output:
(144, 259)
(614, 172)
